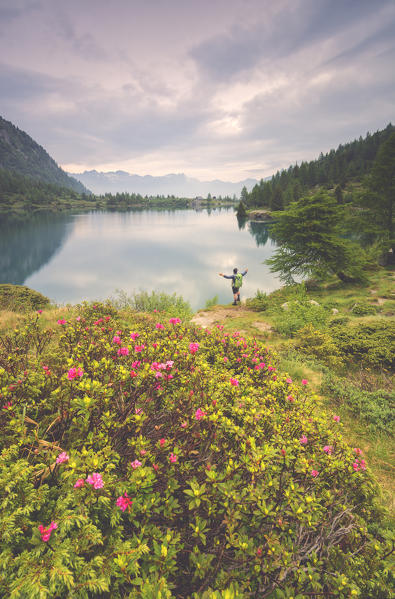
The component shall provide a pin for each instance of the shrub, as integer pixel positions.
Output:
(372, 344)
(318, 344)
(20, 298)
(376, 408)
(363, 309)
(298, 315)
(159, 301)
(259, 303)
(145, 459)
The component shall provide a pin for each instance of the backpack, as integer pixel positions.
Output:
(238, 280)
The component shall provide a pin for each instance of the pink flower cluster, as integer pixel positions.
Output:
(359, 465)
(173, 458)
(234, 382)
(134, 336)
(117, 339)
(139, 348)
(74, 372)
(160, 326)
(314, 473)
(303, 440)
(46, 532)
(328, 449)
(123, 351)
(61, 321)
(175, 321)
(336, 418)
(95, 480)
(135, 464)
(193, 347)
(62, 457)
(199, 414)
(124, 502)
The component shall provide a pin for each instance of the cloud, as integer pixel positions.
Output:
(214, 89)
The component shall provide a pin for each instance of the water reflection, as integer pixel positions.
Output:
(90, 256)
(28, 245)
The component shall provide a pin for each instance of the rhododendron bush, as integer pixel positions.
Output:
(145, 458)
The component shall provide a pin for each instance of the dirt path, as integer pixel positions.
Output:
(207, 318)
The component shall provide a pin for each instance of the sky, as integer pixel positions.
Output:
(226, 89)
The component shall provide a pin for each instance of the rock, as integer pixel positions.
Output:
(314, 303)
(335, 311)
(285, 306)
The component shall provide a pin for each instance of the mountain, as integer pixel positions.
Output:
(19, 153)
(173, 184)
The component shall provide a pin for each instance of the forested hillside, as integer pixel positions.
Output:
(20, 154)
(336, 169)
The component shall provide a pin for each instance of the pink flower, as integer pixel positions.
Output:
(135, 464)
(123, 351)
(78, 318)
(357, 450)
(328, 449)
(173, 458)
(62, 457)
(184, 424)
(303, 440)
(174, 321)
(80, 483)
(234, 382)
(162, 442)
(314, 473)
(336, 418)
(46, 532)
(159, 325)
(304, 382)
(359, 465)
(134, 336)
(143, 452)
(139, 348)
(74, 372)
(124, 502)
(136, 364)
(225, 359)
(39, 311)
(61, 321)
(271, 368)
(193, 347)
(95, 480)
(289, 381)
(138, 410)
(133, 374)
(199, 414)
(290, 398)
(155, 467)
(116, 339)
(7, 406)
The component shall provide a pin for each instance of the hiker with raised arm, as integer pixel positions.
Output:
(237, 281)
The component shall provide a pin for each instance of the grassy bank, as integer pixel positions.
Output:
(341, 338)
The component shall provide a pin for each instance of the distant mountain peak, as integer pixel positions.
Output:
(177, 184)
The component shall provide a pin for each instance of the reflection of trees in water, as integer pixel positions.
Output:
(260, 232)
(27, 245)
(241, 222)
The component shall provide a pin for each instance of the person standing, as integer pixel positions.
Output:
(237, 281)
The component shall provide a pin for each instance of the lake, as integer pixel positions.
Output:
(76, 257)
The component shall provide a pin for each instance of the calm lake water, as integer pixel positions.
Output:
(71, 258)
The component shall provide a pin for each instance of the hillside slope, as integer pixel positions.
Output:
(21, 154)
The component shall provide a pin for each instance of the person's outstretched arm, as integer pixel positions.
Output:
(225, 276)
(245, 272)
